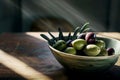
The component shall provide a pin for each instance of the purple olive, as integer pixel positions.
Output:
(91, 41)
(69, 44)
(81, 36)
(110, 51)
(89, 36)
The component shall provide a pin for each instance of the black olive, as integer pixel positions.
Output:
(81, 36)
(110, 51)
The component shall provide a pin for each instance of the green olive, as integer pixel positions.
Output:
(92, 50)
(78, 44)
(70, 50)
(100, 43)
(60, 45)
(103, 52)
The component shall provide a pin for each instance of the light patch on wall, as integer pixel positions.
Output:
(60, 9)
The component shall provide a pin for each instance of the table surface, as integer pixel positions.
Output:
(27, 54)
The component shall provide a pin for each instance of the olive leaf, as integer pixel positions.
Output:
(44, 36)
(61, 37)
(84, 28)
(51, 42)
(87, 29)
(69, 37)
(77, 29)
(52, 36)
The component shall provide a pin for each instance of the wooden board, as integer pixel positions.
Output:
(32, 53)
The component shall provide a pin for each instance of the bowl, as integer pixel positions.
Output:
(88, 63)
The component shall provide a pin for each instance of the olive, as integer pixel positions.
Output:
(69, 44)
(110, 51)
(92, 50)
(91, 41)
(60, 45)
(78, 44)
(70, 50)
(100, 43)
(103, 52)
(81, 36)
(90, 35)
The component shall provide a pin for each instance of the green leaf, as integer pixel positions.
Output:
(44, 36)
(87, 29)
(51, 42)
(69, 36)
(61, 37)
(77, 29)
(52, 36)
(84, 27)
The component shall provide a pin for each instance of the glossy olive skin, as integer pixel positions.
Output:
(60, 45)
(103, 52)
(100, 43)
(90, 37)
(91, 41)
(79, 44)
(110, 51)
(70, 50)
(81, 36)
(92, 50)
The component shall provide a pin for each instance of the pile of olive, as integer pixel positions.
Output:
(85, 44)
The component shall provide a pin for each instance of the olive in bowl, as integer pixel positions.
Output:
(89, 63)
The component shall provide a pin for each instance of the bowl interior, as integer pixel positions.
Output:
(110, 42)
(87, 63)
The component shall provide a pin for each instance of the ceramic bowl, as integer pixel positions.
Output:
(87, 63)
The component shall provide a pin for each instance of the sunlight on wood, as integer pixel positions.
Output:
(20, 67)
(115, 35)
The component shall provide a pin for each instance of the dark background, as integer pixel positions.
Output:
(19, 15)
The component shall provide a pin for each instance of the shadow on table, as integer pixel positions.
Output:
(112, 74)
(35, 53)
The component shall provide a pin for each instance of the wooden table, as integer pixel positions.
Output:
(26, 56)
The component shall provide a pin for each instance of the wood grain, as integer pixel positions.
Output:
(30, 50)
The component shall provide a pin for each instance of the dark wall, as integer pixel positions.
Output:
(77, 12)
(103, 15)
(10, 16)
(18, 15)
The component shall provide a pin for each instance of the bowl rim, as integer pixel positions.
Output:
(87, 57)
